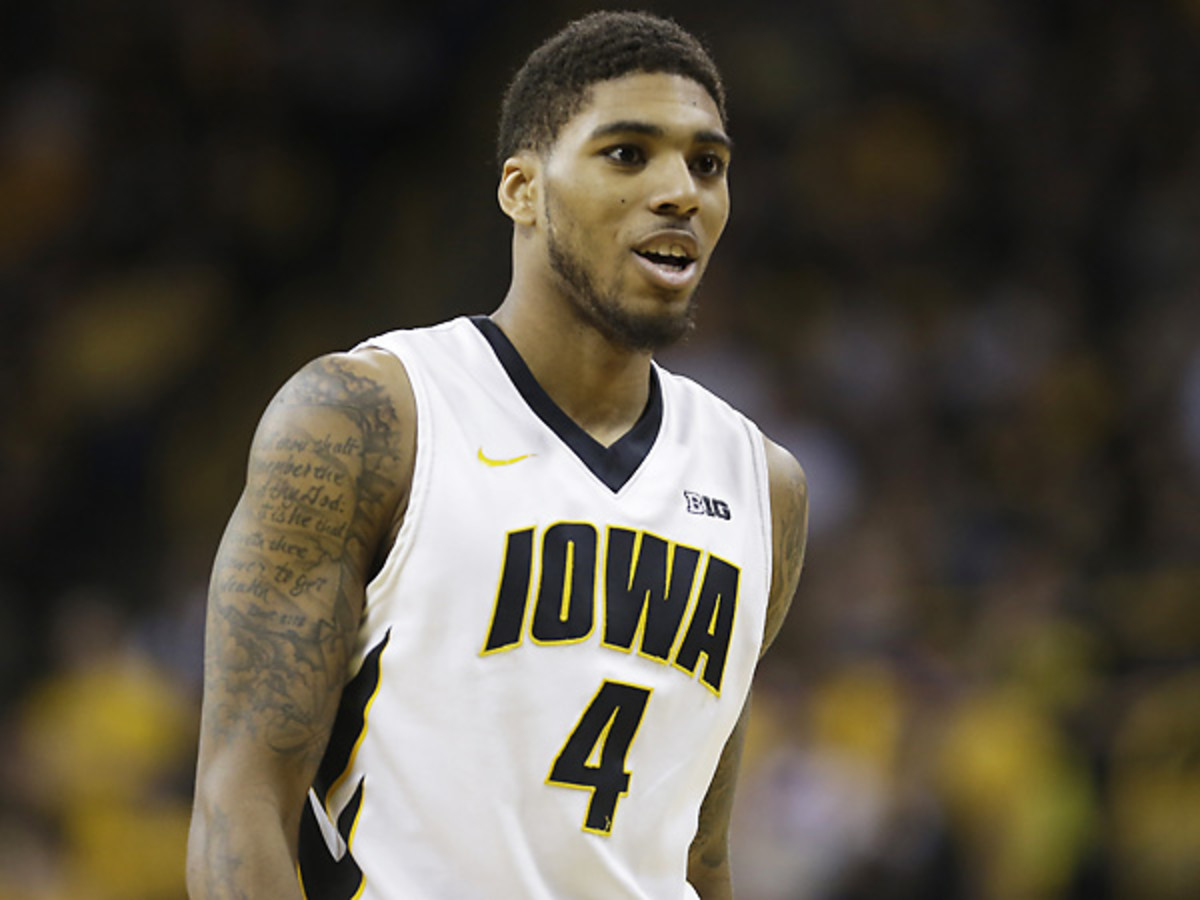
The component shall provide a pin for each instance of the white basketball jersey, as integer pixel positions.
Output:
(556, 649)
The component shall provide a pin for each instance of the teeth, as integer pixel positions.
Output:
(675, 250)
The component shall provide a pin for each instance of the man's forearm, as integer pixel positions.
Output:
(240, 855)
(713, 884)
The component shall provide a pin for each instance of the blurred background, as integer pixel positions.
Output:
(960, 283)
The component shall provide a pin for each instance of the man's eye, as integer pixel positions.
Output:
(626, 155)
(708, 165)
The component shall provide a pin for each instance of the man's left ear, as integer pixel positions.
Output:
(518, 188)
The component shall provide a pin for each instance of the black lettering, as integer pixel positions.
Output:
(513, 594)
(566, 600)
(256, 588)
(634, 594)
(334, 531)
(303, 584)
(286, 545)
(604, 733)
(711, 626)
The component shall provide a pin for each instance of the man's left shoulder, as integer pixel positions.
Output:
(783, 468)
(789, 526)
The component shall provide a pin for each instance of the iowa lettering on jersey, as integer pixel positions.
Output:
(648, 588)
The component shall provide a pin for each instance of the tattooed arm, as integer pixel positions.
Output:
(789, 533)
(708, 857)
(328, 479)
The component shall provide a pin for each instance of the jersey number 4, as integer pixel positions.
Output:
(593, 758)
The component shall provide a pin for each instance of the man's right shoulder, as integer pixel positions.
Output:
(367, 381)
(357, 403)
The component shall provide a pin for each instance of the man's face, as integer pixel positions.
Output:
(636, 197)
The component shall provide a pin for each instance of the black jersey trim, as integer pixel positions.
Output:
(351, 721)
(613, 465)
(322, 875)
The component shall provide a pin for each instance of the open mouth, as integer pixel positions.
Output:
(670, 259)
(674, 261)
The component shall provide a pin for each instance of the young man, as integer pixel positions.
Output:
(484, 621)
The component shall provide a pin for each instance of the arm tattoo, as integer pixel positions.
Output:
(713, 830)
(222, 858)
(790, 495)
(708, 856)
(287, 585)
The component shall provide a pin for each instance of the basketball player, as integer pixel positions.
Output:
(484, 621)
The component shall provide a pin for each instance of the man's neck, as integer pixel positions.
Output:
(603, 387)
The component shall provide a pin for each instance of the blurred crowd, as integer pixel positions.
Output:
(961, 283)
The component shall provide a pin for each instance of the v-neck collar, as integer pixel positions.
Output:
(613, 465)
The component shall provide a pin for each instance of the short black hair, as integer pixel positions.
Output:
(553, 83)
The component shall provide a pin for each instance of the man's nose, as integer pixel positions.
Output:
(677, 193)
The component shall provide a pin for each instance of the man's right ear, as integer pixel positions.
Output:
(518, 189)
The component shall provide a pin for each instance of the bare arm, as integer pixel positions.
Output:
(328, 476)
(708, 857)
(789, 530)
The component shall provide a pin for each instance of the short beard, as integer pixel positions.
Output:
(603, 311)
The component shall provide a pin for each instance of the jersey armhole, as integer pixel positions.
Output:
(392, 345)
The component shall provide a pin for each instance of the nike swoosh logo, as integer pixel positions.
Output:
(488, 461)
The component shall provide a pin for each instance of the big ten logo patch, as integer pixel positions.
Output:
(700, 505)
